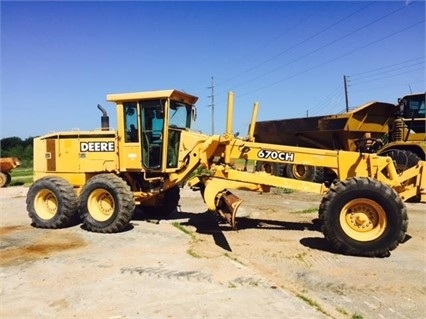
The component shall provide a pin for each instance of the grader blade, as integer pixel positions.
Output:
(228, 206)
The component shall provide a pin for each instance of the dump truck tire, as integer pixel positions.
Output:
(4, 179)
(305, 172)
(363, 217)
(51, 203)
(106, 204)
(275, 169)
(403, 159)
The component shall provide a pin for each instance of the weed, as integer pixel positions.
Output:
(234, 259)
(357, 316)
(193, 253)
(185, 230)
(312, 303)
(231, 285)
(342, 311)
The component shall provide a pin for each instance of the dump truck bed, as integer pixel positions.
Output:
(338, 131)
(8, 163)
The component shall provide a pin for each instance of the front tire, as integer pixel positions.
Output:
(363, 217)
(51, 203)
(106, 204)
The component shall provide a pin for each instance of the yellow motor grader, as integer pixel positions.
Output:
(100, 176)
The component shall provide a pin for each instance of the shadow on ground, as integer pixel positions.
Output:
(211, 224)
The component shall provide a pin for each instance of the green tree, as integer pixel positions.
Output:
(16, 147)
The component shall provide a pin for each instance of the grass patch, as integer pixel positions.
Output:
(357, 316)
(186, 231)
(282, 190)
(21, 176)
(342, 311)
(312, 303)
(21, 172)
(306, 211)
(234, 259)
(21, 181)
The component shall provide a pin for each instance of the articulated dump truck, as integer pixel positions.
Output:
(99, 177)
(395, 130)
(7, 164)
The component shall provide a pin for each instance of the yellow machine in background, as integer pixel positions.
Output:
(7, 164)
(394, 130)
(100, 176)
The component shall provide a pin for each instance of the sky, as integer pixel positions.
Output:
(60, 59)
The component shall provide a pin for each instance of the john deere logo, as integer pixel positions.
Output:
(97, 147)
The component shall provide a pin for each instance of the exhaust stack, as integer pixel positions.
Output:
(104, 119)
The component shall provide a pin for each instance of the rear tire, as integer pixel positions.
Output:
(106, 204)
(363, 217)
(305, 173)
(5, 179)
(275, 169)
(51, 202)
(403, 159)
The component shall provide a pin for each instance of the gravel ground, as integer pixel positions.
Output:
(276, 265)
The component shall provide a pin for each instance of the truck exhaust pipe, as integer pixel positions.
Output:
(104, 119)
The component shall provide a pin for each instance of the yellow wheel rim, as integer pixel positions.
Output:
(46, 204)
(299, 171)
(363, 219)
(101, 205)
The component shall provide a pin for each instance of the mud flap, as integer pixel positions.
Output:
(227, 207)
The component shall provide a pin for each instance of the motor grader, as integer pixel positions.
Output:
(100, 176)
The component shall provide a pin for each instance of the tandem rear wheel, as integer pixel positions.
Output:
(51, 203)
(106, 204)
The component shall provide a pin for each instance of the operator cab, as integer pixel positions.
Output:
(153, 122)
(412, 109)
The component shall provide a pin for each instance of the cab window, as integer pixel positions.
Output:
(131, 122)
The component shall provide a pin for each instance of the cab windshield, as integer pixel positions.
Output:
(180, 115)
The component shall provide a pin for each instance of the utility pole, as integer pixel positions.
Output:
(345, 83)
(212, 103)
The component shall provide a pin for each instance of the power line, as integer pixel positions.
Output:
(322, 47)
(388, 66)
(335, 58)
(298, 44)
(335, 95)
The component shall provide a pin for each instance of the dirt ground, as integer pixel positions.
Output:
(277, 265)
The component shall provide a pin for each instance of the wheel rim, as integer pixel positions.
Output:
(299, 171)
(101, 205)
(363, 219)
(46, 204)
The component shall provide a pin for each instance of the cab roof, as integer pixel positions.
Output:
(148, 95)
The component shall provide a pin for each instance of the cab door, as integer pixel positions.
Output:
(152, 133)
